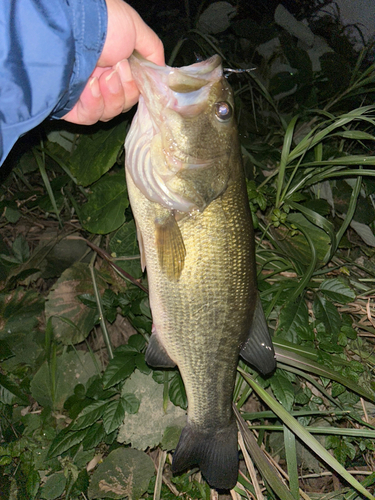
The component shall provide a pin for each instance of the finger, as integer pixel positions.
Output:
(113, 94)
(90, 106)
(131, 91)
(149, 45)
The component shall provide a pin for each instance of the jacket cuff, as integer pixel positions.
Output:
(89, 31)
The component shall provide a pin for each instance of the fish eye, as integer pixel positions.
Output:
(223, 111)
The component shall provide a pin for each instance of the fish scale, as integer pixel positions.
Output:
(200, 265)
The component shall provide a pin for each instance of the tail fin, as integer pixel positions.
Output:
(215, 453)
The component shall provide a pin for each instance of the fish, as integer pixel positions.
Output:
(187, 191)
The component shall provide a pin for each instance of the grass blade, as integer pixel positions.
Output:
(309, 271)
(260, 460)
(305, 436)
(288, 139)
(319, 221)
(351, 209)
(333, 431)
(297, 361)
(43, 173)
(366, 483)
(291, 461)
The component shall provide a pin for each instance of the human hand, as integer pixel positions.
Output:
(111, 89)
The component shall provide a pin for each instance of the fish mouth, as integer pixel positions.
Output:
(183, 90)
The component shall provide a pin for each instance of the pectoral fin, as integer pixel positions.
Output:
(258, 349)
(170, 247)
(156, 356)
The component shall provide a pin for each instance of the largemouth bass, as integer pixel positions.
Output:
(188, 195)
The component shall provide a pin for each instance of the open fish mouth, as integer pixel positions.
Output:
(183, 90)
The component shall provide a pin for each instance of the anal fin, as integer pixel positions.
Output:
(156, 356)
(170, 247)
(258, 349)
(215, 452)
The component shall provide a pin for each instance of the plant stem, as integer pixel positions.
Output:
(106, 338)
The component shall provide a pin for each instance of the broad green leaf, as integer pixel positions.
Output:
(337, 389)
(330, 347)
(125, 473)
(364, 232)
(95, 434)
(54, 486)
(118, 369)
(26, 349)
(90, 414)
(177, 393)
(58, 255)
(12, 215)
(124, 244)
(297, 247)
(113, 415)
(104, 211)
(137, 341)
(52, 385)
(171, 437)
(344, 451)
(65, 440)
(337, 291)
(13, 388)
(327, 313)
(5, 351)
(349, 332)
(343, 191)
(140, 429)
(294, 317)
(19, 312)
(32, 482)
(7, 397)
(282, 389)
(141, 364)
(20, 249)
(131, 402)
(96, 153)
(81, 485)
(317, 220)
(96, 391)
(61, 143)
(304, 435)
(72, 321)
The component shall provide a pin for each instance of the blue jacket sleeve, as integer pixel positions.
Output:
(48, 49)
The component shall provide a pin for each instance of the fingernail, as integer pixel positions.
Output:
(123, 70)
(94, 87)
(113, 82)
